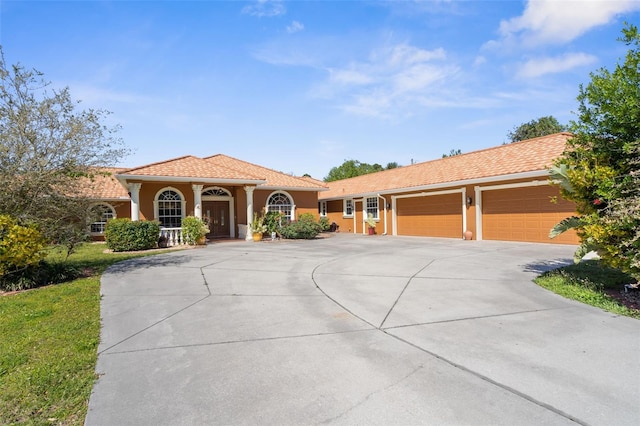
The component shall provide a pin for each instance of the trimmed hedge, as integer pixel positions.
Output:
(127, 235)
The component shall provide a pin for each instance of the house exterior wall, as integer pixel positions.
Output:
(304, 201)
(523, 213)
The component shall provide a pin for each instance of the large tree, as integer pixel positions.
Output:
(452, 153)
(48, 152)
(353, 168)
(600, 170)
(535, 128)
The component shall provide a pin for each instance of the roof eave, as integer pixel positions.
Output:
(291, 188)
(476, 181)
(123, 178)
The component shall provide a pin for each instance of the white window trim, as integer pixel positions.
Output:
(344, 207)
(293, 205)
(323, 209)
(156, 209)
(102, 203)
(365, 207)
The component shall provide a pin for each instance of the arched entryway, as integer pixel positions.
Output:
(218, 212)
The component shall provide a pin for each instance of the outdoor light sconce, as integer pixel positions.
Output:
(469, 201)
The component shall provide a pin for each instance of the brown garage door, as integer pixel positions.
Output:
(434, 216)
(525, 214)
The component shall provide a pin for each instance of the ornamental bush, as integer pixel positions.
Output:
(126, 235)
(324, 224)
(20, 246)
(305, 228)
(193, 230)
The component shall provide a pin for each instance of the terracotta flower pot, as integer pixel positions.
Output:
(257, 236)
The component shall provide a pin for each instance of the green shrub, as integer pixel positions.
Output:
(20, 246)
(126, 235)
(324, 224)
(273, 221)
(305, 228)
(193, 230)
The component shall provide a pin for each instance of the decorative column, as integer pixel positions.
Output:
(134, 194)
(197, 200)
(249, 190)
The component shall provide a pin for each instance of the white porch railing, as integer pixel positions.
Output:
(172, 236)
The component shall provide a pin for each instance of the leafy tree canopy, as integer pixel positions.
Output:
(48, 151)
(600, 170)
(452, 153)
(353, 168)
(535, 128)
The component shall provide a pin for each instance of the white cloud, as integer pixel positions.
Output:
(558, 22)
(541, 66)
(295, 27)
(268, 8)
(393, 81)
(480, 60)
(349, 76)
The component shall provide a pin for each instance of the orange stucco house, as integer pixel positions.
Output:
(222, 190)
(501, 193)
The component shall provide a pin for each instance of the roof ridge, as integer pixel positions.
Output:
(497, 147)
(258, 166)
(144, 166)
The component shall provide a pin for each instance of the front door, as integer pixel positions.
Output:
(216, 214)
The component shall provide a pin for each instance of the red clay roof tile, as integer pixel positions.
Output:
(519, 157)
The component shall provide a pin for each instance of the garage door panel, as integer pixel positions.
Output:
(433, 216)
(525, 214)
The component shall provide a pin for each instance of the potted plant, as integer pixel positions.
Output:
(257, 227)
(371, 223)
(194, 230)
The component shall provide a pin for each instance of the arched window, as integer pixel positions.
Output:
(170, 209)
(101, 213)
(281, 202)
(216, 192)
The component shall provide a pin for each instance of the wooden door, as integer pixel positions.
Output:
(216, 214)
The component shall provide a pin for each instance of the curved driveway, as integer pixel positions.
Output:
(362, 330)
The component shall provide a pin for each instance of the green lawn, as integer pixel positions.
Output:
(48, 344)
(586, 282)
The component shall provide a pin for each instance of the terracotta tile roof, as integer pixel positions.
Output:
(519, 157)
(273, 178)
(315, 181)
(103, 185)
(191, 167)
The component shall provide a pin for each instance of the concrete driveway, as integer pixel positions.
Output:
(361, 330)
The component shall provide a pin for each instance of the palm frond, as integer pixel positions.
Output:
(566, 224)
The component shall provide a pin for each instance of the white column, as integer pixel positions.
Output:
(249, 190)
(464, 211)
(134, 193)
(478, 202)
(197, 200)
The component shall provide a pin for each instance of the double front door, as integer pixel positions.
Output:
(216, 214)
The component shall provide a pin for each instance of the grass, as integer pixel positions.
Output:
(587, 282)
(48, 345)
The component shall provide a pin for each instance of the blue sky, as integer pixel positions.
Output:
(301, 86)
